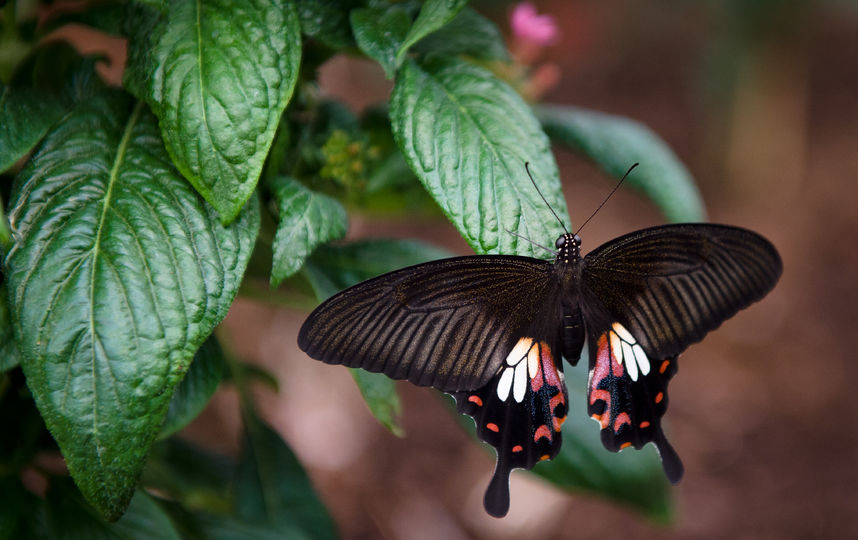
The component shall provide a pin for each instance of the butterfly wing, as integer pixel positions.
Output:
(449, 324)
(521, 410)
(646, 297)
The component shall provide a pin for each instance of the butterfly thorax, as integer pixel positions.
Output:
(568, 248)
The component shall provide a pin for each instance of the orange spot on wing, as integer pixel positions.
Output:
(477, 400)
(542, 431)
(663, 366)
(659, 397)
(544, 457)
(602, 419)
(644, 424)
(558, 422)
(625, 445)
(492, 427)
(517, 448)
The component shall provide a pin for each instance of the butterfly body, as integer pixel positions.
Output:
(492, 330)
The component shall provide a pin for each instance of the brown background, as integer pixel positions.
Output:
(762, 412)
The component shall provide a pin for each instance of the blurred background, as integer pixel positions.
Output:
(760, 100)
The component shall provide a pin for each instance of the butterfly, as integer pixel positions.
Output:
(492, 331)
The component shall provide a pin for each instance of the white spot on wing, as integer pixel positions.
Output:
(519, 383)
(533, 361)
(505, 384)
(631, 365)
(641, 358)
(623, 333)
(518, 352)
(616, 347)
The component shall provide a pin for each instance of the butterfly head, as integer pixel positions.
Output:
(568, 247)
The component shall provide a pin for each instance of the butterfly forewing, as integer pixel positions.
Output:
(671, 285)
(447, 324)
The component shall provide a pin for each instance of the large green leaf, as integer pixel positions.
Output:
(272, 487)
(68, 516)
(119, 273)
(43, 88)
(217, 74)
(333, 268)
(433, 15)
(379, 33)
(307, 219)
(467, 135)
(632, 477)
(196, 388)
(615, 143)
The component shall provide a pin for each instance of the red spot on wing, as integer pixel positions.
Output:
(517, 448)
(663, 366)
(625, 445)
(659, 397)
(477, 400)
(644, 424)
(492, 427)
(621, 420)
(544, 457)
(542, 431)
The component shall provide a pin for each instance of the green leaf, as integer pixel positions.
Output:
(119, 273)
(632, 477)
(9, 357)
(191, 475)
(467, 135)
(68, 516)
(467, 33)
(196, 389)
(379, 393)
(218, 74)
(43, 88)
(272, 487)
(614, 143)
(379, 32)
(433, 15)
(327, 21)
(307, 219)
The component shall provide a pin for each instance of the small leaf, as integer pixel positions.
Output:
(196, 389)
(615, 143)
(379, 393)
(631, 477)
(43, 88)
(118, 274)
(272, 487)
(379, 32)
(467, 135)
(9, 357)
(218, 75)
(467, 33)
(307, 219)
(68, 516)
(433, 15)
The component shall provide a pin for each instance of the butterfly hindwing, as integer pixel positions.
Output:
(447, 324)
(520, 413)
(627, 394)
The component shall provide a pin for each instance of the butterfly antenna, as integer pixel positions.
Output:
(527, 168)
(608, 197)
(549, 250)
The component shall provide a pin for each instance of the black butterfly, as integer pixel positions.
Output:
(491, 330)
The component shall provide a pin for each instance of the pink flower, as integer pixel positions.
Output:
(527, 25)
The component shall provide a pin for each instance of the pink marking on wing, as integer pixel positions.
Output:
(542, 431)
